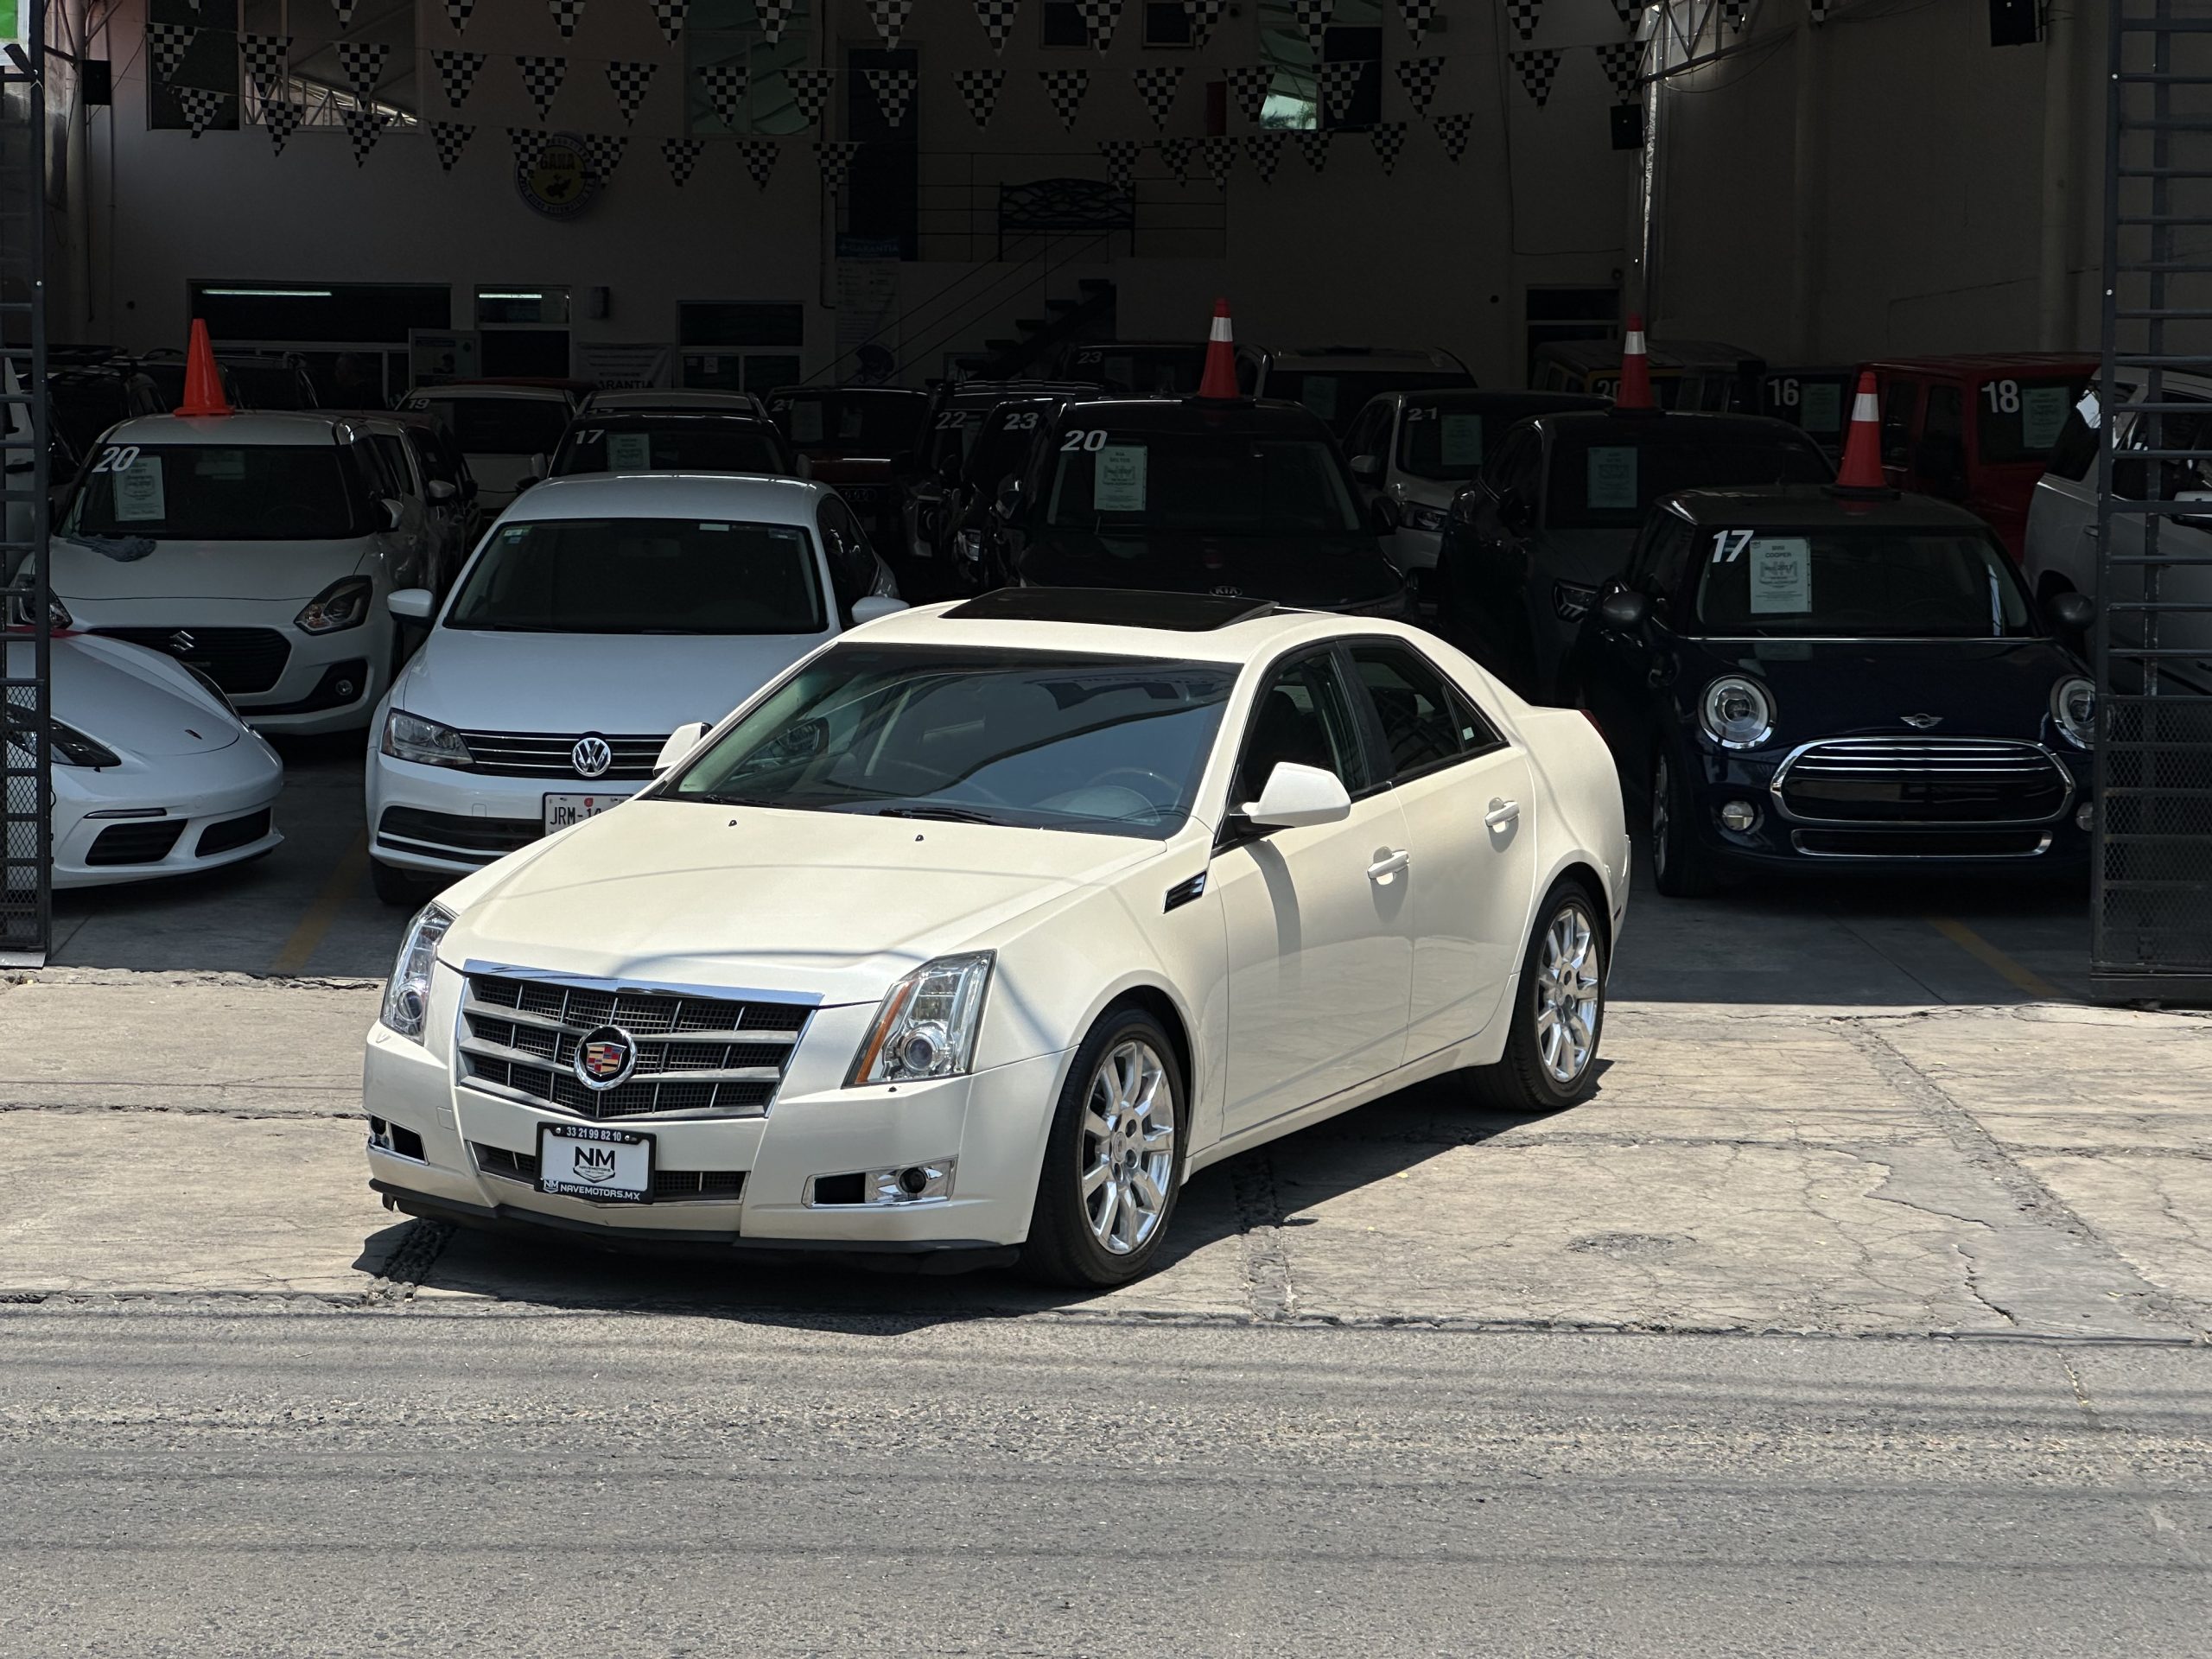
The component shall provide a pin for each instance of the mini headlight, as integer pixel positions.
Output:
(344, 604)
(1737, 713)
(927, 1026)
(407, 998)
(2074, 705)
(1414, 516)
(410, 737)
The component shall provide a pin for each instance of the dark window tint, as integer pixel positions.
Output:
(1608, 481)
(871, 423)
(502, 426)
(1225, 484)
(1897, 421)
(1441, 442)
(1141, 371)
(221, 493)
(2019, 420)
(393, 476)
(685, 446)
(1337, 395)
(431, 456)
(642, 576)
(1427, 721)
(1003, 443)
(2136, 480)
(852, 561)
(1859, 583)
(1303, 717)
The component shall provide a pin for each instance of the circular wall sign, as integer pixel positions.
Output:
(559, 180)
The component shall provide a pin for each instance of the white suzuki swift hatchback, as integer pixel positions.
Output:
(973, 936)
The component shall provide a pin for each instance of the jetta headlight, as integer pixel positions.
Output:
(1414, 516)
(1737, 713)
(344, 604)
(927, 1026)
(407, 998)
(2074, 705)
(410, 737)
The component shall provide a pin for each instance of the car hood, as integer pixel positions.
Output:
(1588, 558)
(637, 685)
(127, 698)
(189, 569)
(1980, 688)
(1327, 572)
(834, 904)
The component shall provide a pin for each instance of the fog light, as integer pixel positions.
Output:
(2085, 816)
(1740, 815)
(915, 1184)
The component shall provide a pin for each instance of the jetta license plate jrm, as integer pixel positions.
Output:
(562, 810)
(583, 1160)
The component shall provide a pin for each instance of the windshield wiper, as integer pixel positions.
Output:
(736, 800)
(949, 813)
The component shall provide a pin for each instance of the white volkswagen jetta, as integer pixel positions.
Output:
(600, 613)
(972, 936)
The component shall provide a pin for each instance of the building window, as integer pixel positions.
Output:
(1166, 23)
(1569, 314)
(1354, 35)
(526, 305)
(739, 347)
(1064, 24)
(312, 76)
(726, 33)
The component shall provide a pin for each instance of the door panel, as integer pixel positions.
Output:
(1468, 888)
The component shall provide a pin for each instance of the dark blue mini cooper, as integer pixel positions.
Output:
(1803, 677)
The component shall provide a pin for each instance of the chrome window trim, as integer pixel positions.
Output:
(1782, 772)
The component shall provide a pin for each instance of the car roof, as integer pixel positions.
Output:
(1627, 426)
(1805, 506)
(1481, 399)
(1965, 363)
(1605, 355)
(258, 426)
(1352, 357)
(1158, 624)
(534, 392)
(420, 419)
(851, 391)
(736, 415)
(993, 391)
(1199, 414)
(753, 497)
(671, 397)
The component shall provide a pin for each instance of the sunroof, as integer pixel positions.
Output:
(1113, 607)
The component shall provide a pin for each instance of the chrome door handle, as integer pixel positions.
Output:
(1383, 869)
(1502, 813)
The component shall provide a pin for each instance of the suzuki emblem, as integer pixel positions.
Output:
(1921, 722)
(182, 642)
(591, 757)
(604, 1058)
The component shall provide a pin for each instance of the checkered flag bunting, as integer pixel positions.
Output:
(1264, 149)
(456, 73)
(344, 10)
(202, 107)
(1627, 10)
(282, 116)
(603, 154)
(1733, 10)
(627, 81)
(362, 64)
(1523, 14)
(458, 12)
(1453, 130)
(1100, 19)
(979, 90)
(1313, 144)
(670, 16)
(1536, 70)
(760, 156)
(362, 126)
(167, 43)
(1389, 137)
(264, 55)
(566, 13)
(1176, 152)
(1311, 17)
(1065, 88)
(1221, 156)
(1622, 61)
(529, 144)
(1157, 86)
(681, 155)
(1248, 84)
(1204, 14)
(1419, 77)
(1418, 15)
(774, 16)
(1817, 8)
(1121, 155)
(542, 77)
(1340, 81)
(997, 18)
(725, 84)
(449, 138)
(894, 91)
(889, 17)
(837, 158)
(809, 90)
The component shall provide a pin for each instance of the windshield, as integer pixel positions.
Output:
(1000, 449)
(1337, 395)
(84, 409)
(2020, 420)
(218, 492)
(1445, 444)
(1606, 483)
(676, 446)
(1856, 583)
(874, 423)
(503, 426)
(1142, 370)
(269, 385)
(1220, 483)
(951, 433)
(641, 576)
(1106, 746)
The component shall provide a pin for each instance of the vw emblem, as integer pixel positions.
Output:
(591, 757)
(183, 642)
(604, 1058)
(1921, 722)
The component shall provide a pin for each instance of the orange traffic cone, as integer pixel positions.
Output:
(1219, 380)
(1635, 389)
(203, 383)
(1861, 471)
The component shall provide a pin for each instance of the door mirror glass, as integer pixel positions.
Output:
(540, 465)
(395, 512)
(1624, 612)
(1296, 795)
(681, 742)
(1367, 469)
(412, 604)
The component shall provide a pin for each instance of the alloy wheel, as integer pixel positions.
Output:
(1127, 1145)
(1566, 996)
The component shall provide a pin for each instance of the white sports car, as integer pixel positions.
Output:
(153, 774)
(972, 936)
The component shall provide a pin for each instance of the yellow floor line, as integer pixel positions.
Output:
(1991, 957)
(343, 880)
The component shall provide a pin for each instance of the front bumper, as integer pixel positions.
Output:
(443, 821)
(213, 798)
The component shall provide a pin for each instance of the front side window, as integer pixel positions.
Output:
(1002, 444)
(2019, 420)
(1857, 583)
(502, 426)
(1608, 481)
(1427, 721)
(1101, 746)
(849, 421)
(1303, 717)
(1219, 483)
(220, 493)
(642, 576)
(672, 446)
(1440, 442)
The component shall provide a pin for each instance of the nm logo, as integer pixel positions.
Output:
(594, 1163)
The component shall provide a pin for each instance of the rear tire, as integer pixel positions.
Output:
(1681, 867)
(1559, 1011)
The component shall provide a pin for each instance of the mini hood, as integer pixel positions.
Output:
(128, 698)
(1979, 688)
(836, 905)
(1323, 572)
(189, 569)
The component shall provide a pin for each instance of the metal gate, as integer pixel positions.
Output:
(26, 676)
(2151, 933)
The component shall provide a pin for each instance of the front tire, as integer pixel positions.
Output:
(1114, 1160)
(402, 889)
(1559, 1011)
(1681, 867)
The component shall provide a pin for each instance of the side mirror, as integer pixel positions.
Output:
(1008, 501)
(1624, 612)
(1367, 470)
(540, 465)
(411, 604)
(395, 512)
(2071, 612)
(439, 491)
(875, 606)
(1296, 795)
(806, 468)
(1383, 513)
(948, 468)
(681, 742)
(2203, 498)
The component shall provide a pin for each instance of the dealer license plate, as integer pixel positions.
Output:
(583, 1160)
(562, 810)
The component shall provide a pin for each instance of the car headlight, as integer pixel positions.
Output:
(1737, 713)
(344, 604)
(407, 998)
(410, 737)
(1414, 516)
(57, 620)
(2074, 705)
(927, 1026)
(71, 747)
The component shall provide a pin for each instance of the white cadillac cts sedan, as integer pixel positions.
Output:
(975, 934)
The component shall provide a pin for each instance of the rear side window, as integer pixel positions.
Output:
(2019, 420)
(1427, 721)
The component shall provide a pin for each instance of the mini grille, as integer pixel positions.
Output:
(1881, 780)
(540, 754)
(668, 1184)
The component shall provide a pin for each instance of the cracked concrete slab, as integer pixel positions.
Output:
(2156, 1212)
